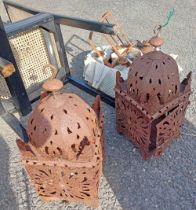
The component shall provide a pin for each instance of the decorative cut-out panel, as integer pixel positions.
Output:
(151, 103)
(133, 123)
(64, 154)
(169, 128)
(66, 181)
(120, 118)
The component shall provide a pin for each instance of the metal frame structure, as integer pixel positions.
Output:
(14, 123)
(43, 20)
(58, 21)
(15, 84)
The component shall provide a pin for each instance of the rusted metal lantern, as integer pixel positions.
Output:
(64, 154)
(151, 103)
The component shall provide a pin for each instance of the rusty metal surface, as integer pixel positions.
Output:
(64, 155)
(147, 48)
(154, 43)
(157, 40)
(151, 103)
(154, 80)
(120, 38)
(6, 68)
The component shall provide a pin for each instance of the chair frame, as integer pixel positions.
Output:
(19, 96)
(51, 22)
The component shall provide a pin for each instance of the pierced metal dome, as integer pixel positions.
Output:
(64, 126)
(64, 153)
(151, 103)
(153, 80)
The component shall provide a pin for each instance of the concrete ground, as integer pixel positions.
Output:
(128, 182)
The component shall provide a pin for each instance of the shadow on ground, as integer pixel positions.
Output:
(7, 197)
(167, 183)
(76, 54)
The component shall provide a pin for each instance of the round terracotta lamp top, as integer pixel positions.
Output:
(52, 85)
(156, 41)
